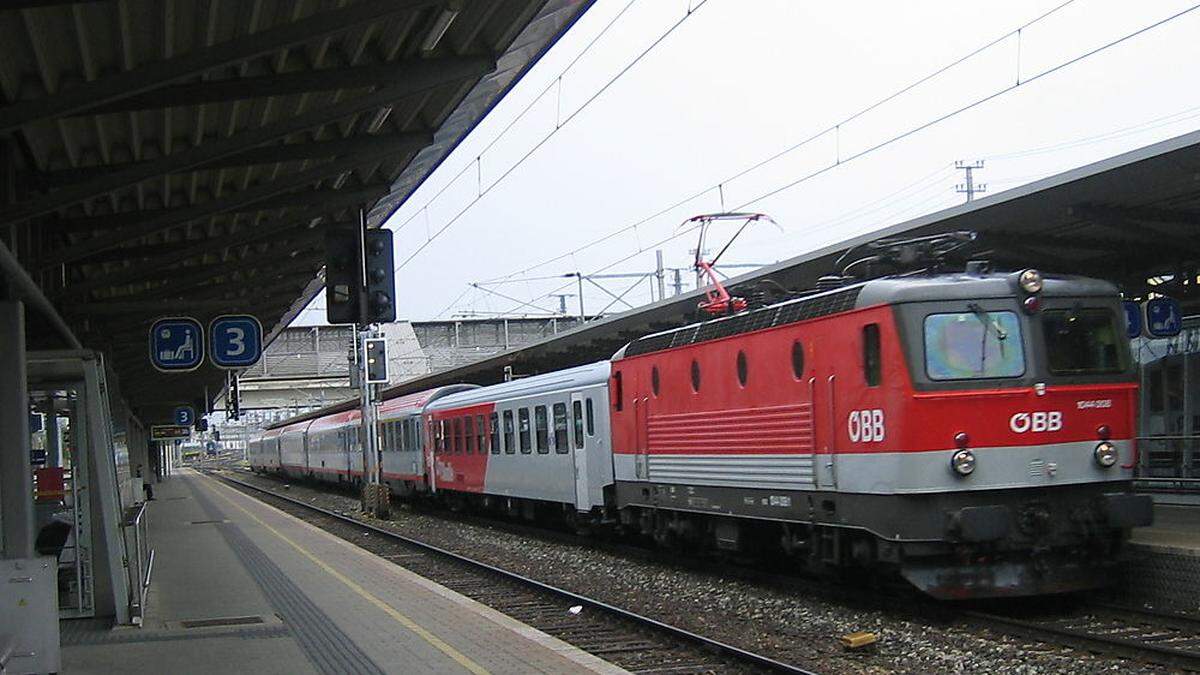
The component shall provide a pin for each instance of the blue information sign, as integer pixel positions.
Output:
(1133, 319)
(1164, 317)
(185, 416)
(176, 344)
(35, 422)
(235, 341)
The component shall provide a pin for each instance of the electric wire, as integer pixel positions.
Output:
(537, 146)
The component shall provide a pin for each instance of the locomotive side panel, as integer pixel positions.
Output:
(764, 410)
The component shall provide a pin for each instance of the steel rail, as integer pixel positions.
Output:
(1113, 640)
(676, 632)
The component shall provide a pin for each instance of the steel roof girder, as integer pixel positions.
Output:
(452, 71)
(237, 200)
(263, 154)
(156, 74)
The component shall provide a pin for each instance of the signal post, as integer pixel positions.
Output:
(360, 289)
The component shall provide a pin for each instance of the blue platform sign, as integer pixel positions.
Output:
(176, 344)
(1164, 317)
(1133, 319)
(235, 341)
(36, 422)
(185, 416)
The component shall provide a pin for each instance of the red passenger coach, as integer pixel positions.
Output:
(975, 431)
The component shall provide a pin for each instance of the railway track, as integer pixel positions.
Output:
(632, 641)
(1165, 639)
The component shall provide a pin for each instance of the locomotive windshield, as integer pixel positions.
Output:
(1081, 341)
(973, 345)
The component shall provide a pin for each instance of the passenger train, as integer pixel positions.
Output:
(973, 432)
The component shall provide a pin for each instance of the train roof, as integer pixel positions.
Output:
(879, 291)
(415, 403)
(571, 378)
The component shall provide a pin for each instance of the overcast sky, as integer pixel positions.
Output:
(741, 80)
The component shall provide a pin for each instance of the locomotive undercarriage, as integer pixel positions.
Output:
(949, 545)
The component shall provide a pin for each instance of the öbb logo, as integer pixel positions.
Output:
(865, 426)
(1035, 422)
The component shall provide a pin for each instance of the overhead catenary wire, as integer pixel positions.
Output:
(719, 186)
(936, 120)
(843, 160)
(553, 132)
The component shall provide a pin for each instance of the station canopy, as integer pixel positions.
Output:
(185, 158)
(1131, 219)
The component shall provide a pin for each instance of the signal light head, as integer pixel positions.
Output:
(1030, 281)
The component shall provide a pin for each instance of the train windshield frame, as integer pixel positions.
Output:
(976, 344)
(1082, 341)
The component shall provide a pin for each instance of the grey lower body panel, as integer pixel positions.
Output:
(983, 543)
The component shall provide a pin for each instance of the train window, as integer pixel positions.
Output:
(510, 445)
(872, 368)
(480, 435)
(654, 380)
(562, 441)
(591, 419)
(523, 430)
(742, 368)
(543, 429)
(1081, 341)
(456, 441)
(695, 376)
(494, 433)
(577, 414)
(469, 434)
(973, 345)
(798, 360)
(618, 392)
(439, 436)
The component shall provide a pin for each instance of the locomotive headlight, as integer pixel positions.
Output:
(1030, 281)
(963, 462)
(1106, 454)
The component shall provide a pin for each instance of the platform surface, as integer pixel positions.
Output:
(1176, 526)
(276, 595)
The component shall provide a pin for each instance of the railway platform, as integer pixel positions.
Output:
(240, 586)
(1164, 567)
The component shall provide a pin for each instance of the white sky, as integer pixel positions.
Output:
(740, 80)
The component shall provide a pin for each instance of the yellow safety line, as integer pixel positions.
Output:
(400, 618)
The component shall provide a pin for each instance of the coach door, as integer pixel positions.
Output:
(579, 441)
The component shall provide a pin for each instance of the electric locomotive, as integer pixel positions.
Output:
(973, 431)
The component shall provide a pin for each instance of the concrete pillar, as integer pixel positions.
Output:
(16, 474)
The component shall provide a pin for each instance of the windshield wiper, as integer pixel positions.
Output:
(988, 324)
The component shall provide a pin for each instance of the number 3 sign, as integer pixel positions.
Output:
(235, 341)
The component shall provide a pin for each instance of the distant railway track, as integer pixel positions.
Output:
(1166, 639)
(630, 640)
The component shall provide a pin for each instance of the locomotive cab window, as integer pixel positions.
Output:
(976, 344)
(872, 366)
(1081, 342)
